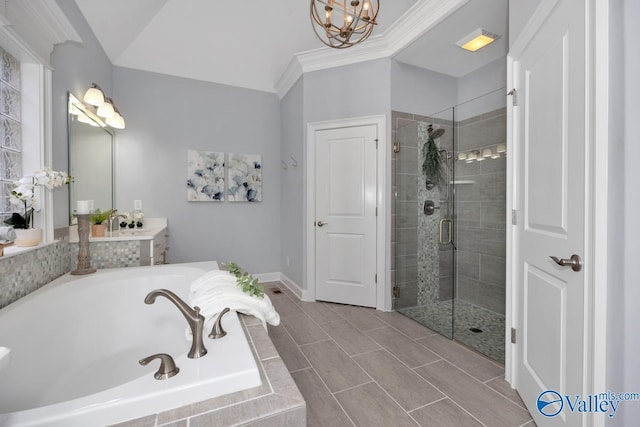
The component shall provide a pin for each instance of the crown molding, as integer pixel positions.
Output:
(420, 18)
(40, 24)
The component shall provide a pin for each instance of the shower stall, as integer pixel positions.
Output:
(449, 222)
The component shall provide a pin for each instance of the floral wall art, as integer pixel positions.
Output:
(205, 176)
(245, 177)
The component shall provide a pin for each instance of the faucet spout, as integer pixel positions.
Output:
(192, 315)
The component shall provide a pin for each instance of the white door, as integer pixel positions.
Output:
(345, 215)
(549, 75)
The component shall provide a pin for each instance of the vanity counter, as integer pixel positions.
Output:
(126, 247)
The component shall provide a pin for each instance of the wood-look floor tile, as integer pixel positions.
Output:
(369, 406)
(503, 387)
(287, 348)
(475, 364)
(350, 339)
(285, 307)
(334, 366)
(407, 326)
(360, 317)
(322, 408)
(303, 330)
(475, 397)
(406, 387)
(444, 413)
(319, 312)
(402, 347)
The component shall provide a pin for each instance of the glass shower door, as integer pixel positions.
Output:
(423, 220)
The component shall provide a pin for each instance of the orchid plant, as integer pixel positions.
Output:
(25, 194)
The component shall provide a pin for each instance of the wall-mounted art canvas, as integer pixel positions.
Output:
(244, 177)
(205, 176)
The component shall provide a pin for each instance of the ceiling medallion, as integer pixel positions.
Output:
(341, 24)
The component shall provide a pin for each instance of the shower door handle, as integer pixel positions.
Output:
(449, 231)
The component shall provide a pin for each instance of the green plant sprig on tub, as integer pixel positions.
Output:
(25, 195)
(97, 217)
(246, 281)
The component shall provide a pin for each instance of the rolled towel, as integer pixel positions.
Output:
(7, 233)
(218, 289)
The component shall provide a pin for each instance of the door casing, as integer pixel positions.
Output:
(383, 271)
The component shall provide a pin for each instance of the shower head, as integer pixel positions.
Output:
(437, 133)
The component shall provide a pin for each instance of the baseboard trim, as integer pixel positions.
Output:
(302, 294)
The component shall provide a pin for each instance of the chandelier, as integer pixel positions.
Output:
(341, 24)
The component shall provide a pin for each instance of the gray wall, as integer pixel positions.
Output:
(75, 68)
(422, 92)
(291, 180)
(166, 116)
(480, 82)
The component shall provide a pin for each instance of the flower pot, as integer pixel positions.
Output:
(97, 230)
(28, 237)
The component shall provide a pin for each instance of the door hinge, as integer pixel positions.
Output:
(513, 335)
(514, 217)
(396, 292)
(376, 211)
(376, 143)
(376, 277)
(514, 99)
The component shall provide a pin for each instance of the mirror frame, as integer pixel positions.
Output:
(76, 108)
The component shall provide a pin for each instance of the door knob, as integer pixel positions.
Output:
(575, 262)
(321, 224)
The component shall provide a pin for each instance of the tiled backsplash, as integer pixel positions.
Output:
(24, 273)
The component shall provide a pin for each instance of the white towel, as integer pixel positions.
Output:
(7, 233)
(218, 289)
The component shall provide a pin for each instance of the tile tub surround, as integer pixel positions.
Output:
(277, 402)
(374, 368)
(23, 273)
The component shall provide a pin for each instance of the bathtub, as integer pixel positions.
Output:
(75, 344)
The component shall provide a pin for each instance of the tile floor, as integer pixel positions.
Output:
(363, 367)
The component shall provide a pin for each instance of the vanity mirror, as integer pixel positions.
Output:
(91, 158)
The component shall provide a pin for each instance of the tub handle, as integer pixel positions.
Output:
(217, 331)
(167, 367)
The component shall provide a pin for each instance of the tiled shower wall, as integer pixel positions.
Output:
(481, 213)
(414, 235)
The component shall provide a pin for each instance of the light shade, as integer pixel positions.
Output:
(106, 109)
(477, 40)
(116, 122)
(94, 96)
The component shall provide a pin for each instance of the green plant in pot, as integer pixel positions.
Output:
(432, 165)
(97, 219)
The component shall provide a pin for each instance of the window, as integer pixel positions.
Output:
(10, 130)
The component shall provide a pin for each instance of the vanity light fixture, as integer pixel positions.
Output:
(106, 108)
(487, 152)
(477, 40)
(342, 24)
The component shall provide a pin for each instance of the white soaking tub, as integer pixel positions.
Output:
(74, 347)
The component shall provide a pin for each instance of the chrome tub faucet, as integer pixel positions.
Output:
(192, 315)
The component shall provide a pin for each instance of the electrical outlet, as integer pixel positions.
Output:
(137, 205)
